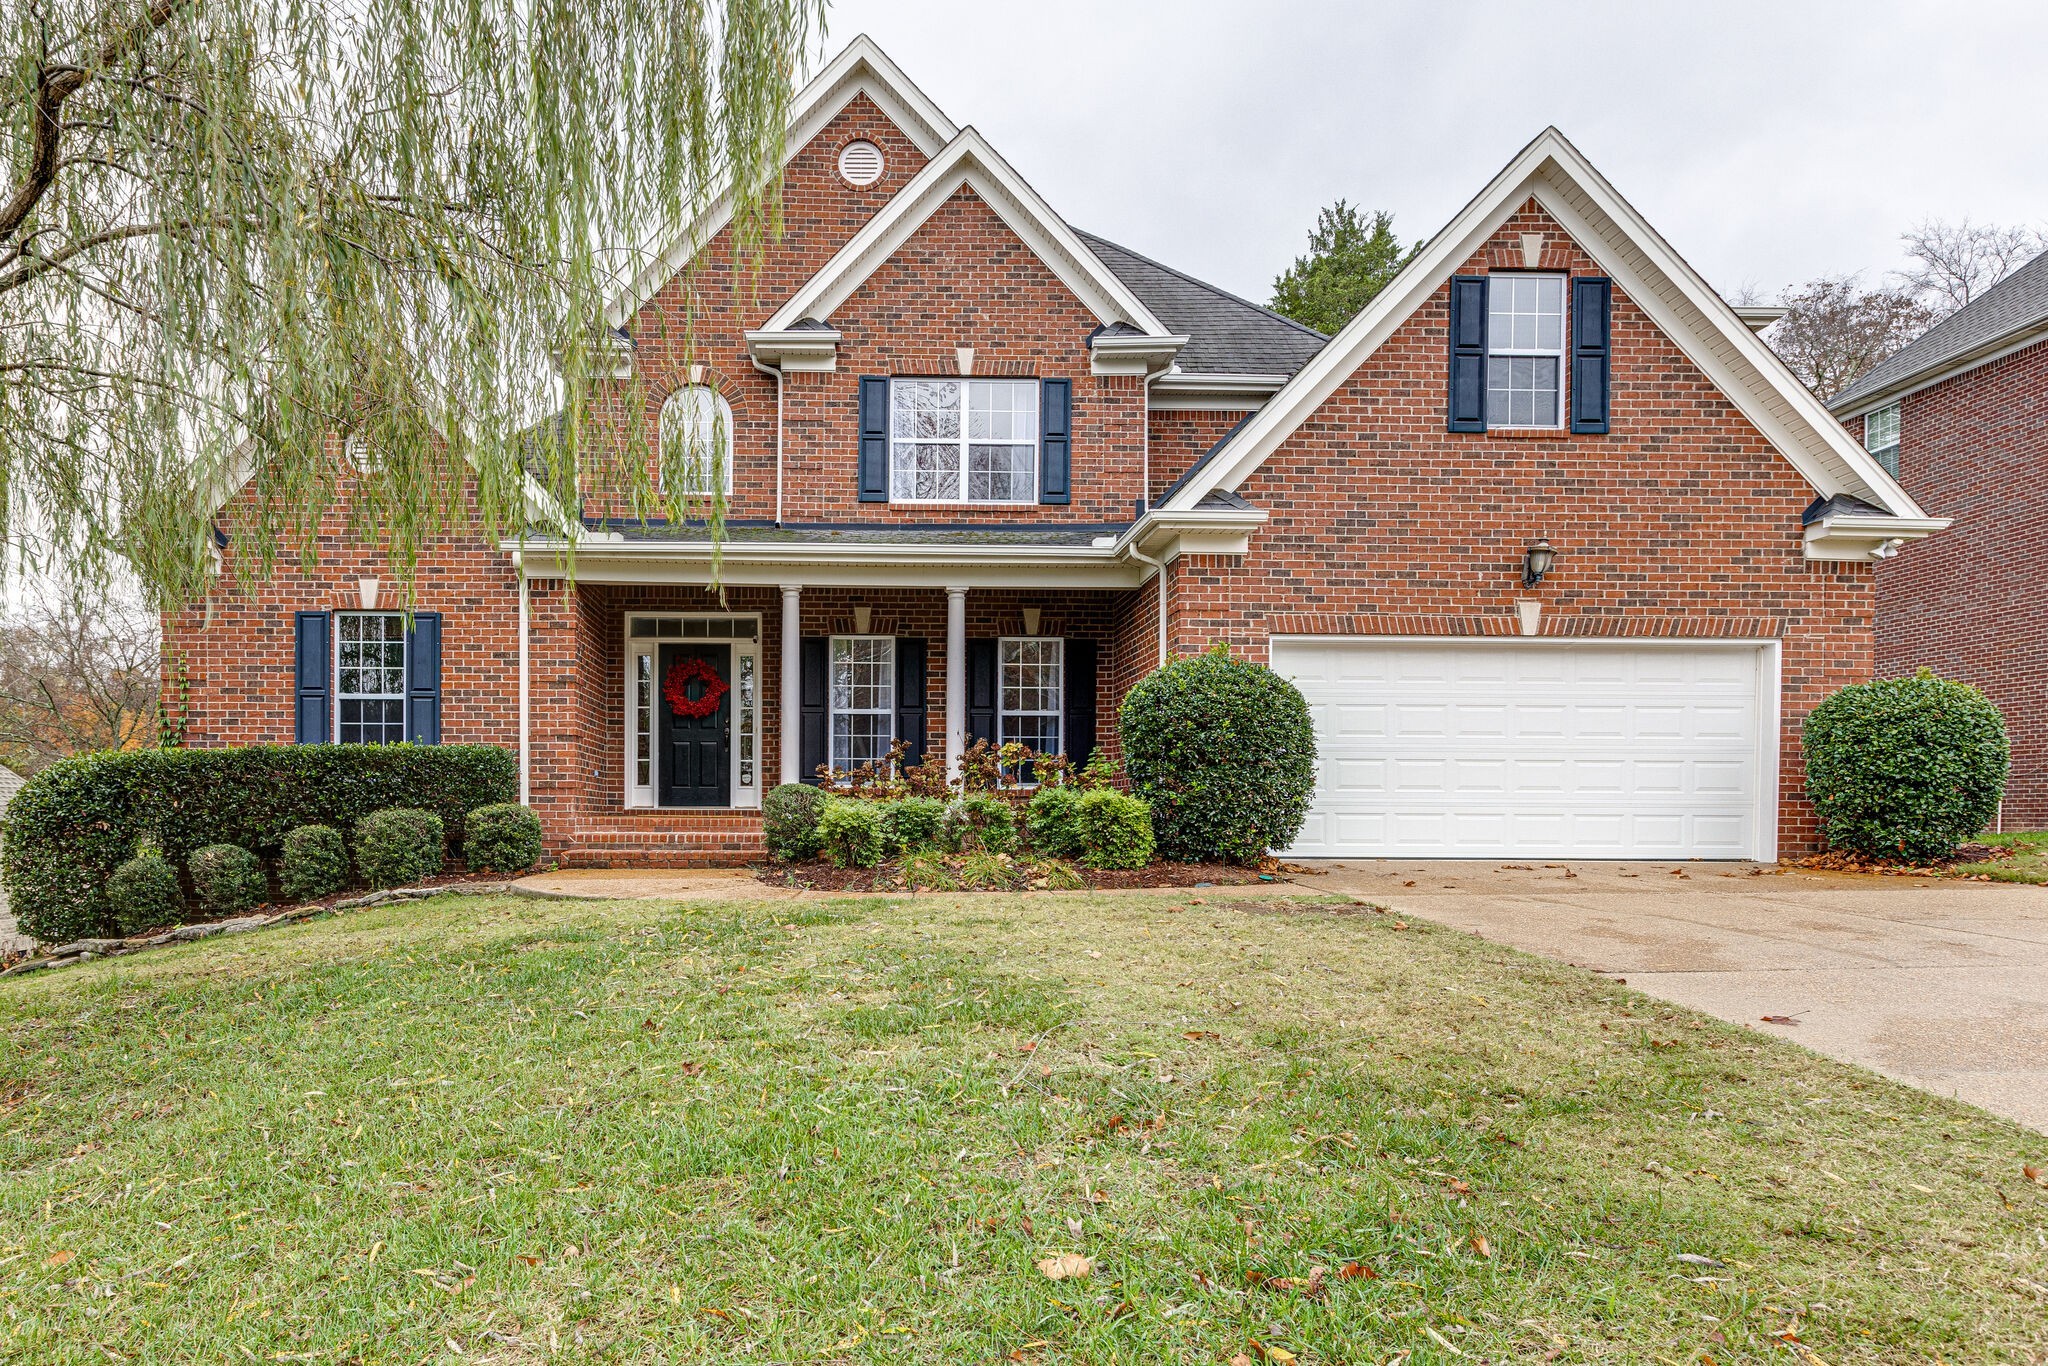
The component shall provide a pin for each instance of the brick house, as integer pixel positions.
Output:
(1559, 553)
(1960, 418)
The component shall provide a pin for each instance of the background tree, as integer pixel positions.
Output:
(1351, 257)
(78, 672)
(1834, 329)
(229, 228)
(1952, 263)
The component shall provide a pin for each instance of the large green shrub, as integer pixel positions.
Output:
(978, 821)
(1116, 829)
(910, 825)
(227, 879)
(503, 838)
(850, 833)
(1223, 752)
(789, 821)
(78, 819)
(398, 846)
(1905, 768)
(1052, 820)
(315, 863)
(144, 893)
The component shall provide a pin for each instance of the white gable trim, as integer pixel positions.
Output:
(862, 69)
(1653, 275)
(968, 161)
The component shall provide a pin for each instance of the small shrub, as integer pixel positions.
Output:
(850, 833)
(1053, 821)
(1905, 768)
(928, 872)
(398, 846)
(1223, 751)
(789, 821)
(315, 862)
(910, 825)
(978, 821)
(1116, 829)
(144, 892)
(227, 879)
(502, 838)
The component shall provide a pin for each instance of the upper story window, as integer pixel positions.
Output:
(1881, 436)
(963, 440)
(696, 442)
(369, 685)
(1524, 350)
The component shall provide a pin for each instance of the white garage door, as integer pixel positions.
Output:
(1488, 749)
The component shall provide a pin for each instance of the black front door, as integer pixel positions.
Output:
(696, 751)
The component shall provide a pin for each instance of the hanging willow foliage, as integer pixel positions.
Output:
(231, 228)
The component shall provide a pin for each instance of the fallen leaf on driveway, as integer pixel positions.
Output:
(1066, 1266)
(1780, 1019)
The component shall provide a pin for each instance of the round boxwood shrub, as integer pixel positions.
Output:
(504, 838)
(1905, 768)
(143, 892)
(1116, 829)
(227, 879)
(910, 825)
(1222, 751)
(789, 821)
(314, 863)
(1052, 819)
(850, 833)
(978, 821)
(399, 845)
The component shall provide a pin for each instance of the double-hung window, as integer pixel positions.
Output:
(963, 440)
(1524, 350)
(1881, 437)
(369, 686)
(1032, 687)
(863, 697)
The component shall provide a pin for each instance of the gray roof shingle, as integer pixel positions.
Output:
(1226, 335)
(2014, 306)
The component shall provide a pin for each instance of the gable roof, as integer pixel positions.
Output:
(2011, 314)
(1226, 335)
(1561, 180)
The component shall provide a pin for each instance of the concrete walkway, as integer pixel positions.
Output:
(1941, 984)
(655, 884)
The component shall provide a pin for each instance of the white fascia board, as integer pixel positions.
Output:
(1654, 276)
(611, 559)
(968, 160)
(1109, 355)
(1927, 379)
(1860, 536)
(861, 69)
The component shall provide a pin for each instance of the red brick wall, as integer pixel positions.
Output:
(1967, 603)
(1682, 520)
(1180, 438)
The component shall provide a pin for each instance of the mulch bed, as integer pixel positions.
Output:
(821, 876)
(1846, 861)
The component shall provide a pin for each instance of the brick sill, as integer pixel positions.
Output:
(1528, 434)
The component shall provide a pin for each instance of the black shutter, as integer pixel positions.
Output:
(1592, 352)
(874, 439)
(814, 726)
(423, 679)
(1468, 353)
(1055, 440)
(1078, 725)
(910, 696)
(309, 725)
(981, 691)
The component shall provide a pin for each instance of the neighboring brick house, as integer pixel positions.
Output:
(1960, 417)
(988, 470)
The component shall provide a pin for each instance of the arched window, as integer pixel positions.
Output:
(696, 442)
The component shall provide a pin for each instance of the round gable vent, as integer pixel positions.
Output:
(860, 163)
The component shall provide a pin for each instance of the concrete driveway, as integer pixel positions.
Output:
(1941, 984)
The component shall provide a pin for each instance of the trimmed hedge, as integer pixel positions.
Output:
(1116, 830)
(850, 833)
(1905, 768)
(1052, 818)
(789, 821)
(77, 820)
(399, 845)
(315, 863)
(227, 879)
(910, 825)
(144, 893)
(978, 821)
(504, 838)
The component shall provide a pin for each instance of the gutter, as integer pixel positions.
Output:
(1984, 354)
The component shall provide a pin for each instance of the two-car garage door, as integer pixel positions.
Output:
(1536, 748)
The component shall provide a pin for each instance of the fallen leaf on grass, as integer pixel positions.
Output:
(1695, 1259)
(1457, 1187)
(1357, 1271)
(1197, 1035)
(59, 1258)
(2034, 1174)
(1279, 1356)
(1481, 1246)
(1066, 1266)
(526, 1259)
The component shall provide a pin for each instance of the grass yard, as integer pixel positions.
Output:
(2028, 861)
(508, 1130)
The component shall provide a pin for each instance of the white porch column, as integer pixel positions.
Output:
(789, 726)
(956, 679)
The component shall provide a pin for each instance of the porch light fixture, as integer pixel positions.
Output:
(1537, 562)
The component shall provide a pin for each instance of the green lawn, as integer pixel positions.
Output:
(2027, 863)
(510, 1130)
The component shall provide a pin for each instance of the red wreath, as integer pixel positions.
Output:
(675, 688)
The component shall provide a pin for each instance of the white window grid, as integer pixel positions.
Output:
(1031, 692)
(862, 700)
(369, 678)
(963, 441)
(1881, 437)
(1525, 350)
(697, 442)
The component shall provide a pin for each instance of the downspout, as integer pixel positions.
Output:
(776, 371)
(525, 710)
(1142, 558)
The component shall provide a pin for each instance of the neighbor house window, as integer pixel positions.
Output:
(696, 443)
(1881, 437)
(1033, 693)
(369, 688)
(863, 700)
(1524, 350)
(963, 440)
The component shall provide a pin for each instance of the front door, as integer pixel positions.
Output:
(696, 751)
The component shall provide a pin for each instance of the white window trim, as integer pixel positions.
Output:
(404, 697)
(1036, 444)
(721, 414)
(1059, 710)
(833, 710)
(1897, 425)
(1562, 354)
(746, 721)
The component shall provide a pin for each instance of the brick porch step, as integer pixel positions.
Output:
(665, 839)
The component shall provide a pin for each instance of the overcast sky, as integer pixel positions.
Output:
(1769, 142)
